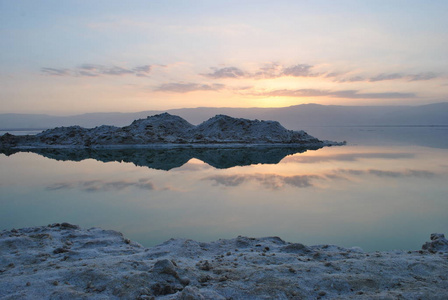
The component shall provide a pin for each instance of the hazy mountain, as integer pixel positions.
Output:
(293, 117)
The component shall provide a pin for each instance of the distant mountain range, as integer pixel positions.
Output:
(293, 117)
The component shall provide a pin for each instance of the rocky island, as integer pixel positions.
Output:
(165, 129)
(63, 261)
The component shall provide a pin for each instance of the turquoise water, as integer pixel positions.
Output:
(387, 189)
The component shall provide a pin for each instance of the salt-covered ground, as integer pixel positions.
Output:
(62, 261)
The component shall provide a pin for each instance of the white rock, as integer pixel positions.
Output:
(167, 129)
(102, 264)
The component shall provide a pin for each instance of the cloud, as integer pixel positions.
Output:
(55, 71)
(94, 70)
(384, 76)
(301, 70)
(423, 76)
(332, 74)
(103, 70)
(387, 76)
(275, 70)
(86, 74)
(181, 87)
(351, 79)
(350, 94)
(412, 77)
(270, 70)
(142, 69)
(229, 72)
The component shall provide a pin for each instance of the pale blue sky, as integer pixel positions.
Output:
(82, 56)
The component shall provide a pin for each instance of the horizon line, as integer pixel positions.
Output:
(214, 107)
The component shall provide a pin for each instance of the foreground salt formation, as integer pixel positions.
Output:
(62, 261)
(165, 129)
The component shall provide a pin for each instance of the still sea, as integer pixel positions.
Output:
(386, 189)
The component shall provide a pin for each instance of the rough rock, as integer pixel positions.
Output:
(438, 243)
(102, 264)
(165, 129)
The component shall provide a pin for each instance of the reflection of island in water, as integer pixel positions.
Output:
(169, 158)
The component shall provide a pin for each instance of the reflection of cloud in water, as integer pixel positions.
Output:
(270, 181)
(347, 157)
(389, 174)
(61, 186)
(99, 185)
(275, 182)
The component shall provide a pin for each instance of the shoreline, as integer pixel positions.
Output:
(183, 145)
(63, 261)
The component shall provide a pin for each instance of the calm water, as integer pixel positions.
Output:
(387, 189)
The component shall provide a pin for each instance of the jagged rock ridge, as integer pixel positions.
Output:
(167, 129)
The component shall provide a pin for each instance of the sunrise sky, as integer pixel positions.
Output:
(69, 57)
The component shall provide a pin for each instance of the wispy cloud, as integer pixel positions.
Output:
(350, 79)
(388, 76)
(182, 87)
(423, 76)
(55, 71)
(270, 70)
(228, 72)
(95, 70)
(276, 70)
(384, 76)
(301, 70)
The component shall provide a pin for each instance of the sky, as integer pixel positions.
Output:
(69, 57)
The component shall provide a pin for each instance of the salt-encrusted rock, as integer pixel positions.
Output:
(165, 266)
(165, 129)
(438, 243)
(190, 293)
(295, 248)
(100, 264)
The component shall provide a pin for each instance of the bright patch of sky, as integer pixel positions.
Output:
(84, 56)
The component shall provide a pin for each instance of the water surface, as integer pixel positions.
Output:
(378, 192)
